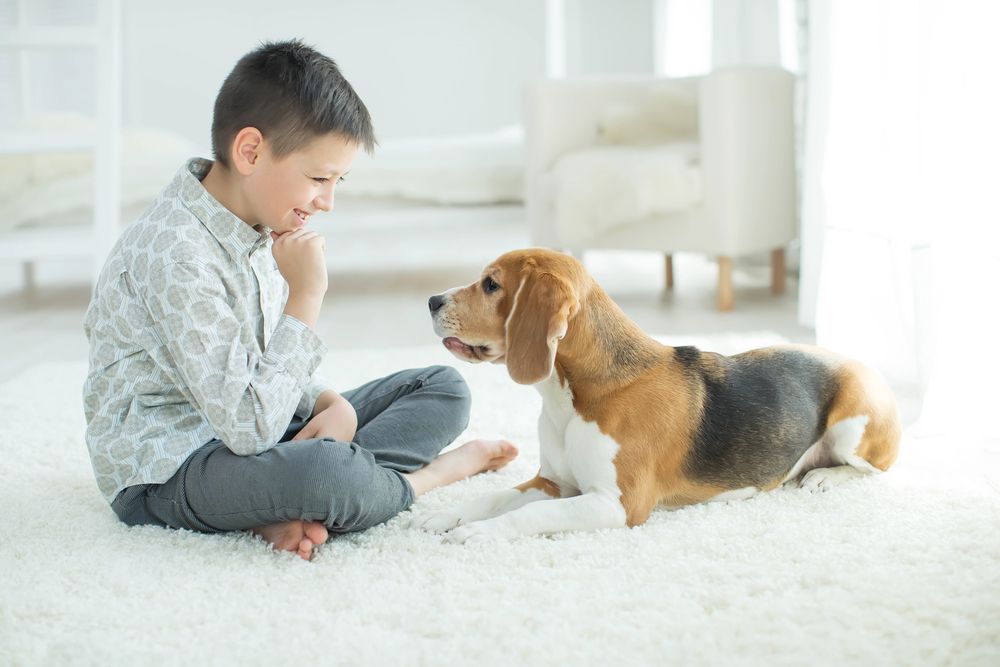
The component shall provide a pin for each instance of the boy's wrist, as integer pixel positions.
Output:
(304, 307)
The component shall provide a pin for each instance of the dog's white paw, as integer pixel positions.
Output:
(478, 532)
(823, 479)
(436, 521)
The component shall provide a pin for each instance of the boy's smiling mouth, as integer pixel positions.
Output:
(302, 215)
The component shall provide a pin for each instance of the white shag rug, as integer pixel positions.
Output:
(899, 569)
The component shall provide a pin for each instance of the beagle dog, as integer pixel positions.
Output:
(628, 424)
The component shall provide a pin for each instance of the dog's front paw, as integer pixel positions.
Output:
(436, 521)
(478, 532)
(820, 480)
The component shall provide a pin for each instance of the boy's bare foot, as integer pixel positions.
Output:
(298, 536)
(469, 459)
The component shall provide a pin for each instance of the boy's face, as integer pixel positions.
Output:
(285, 192)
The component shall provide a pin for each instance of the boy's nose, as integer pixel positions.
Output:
(324, 204)
(435, 303)
(324, 200)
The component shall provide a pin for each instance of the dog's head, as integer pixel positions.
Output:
(516, 313)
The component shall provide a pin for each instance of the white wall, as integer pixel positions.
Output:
(745, 32)
(613, 37)
(425, 68)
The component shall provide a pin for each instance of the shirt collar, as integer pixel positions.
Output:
(236, 236)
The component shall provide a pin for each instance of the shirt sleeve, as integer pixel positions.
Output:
(247, 397)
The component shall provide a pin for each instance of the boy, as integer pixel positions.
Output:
(202, 408)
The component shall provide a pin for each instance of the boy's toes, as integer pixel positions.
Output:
(305, 548)
(506, 452)
(316, 532)
(509, 450)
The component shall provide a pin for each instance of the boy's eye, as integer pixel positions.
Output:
(324, 179)
(490, 285)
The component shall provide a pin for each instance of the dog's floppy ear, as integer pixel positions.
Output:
(543, 305)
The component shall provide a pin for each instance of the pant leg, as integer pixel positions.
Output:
(339, 484)
(407, 418)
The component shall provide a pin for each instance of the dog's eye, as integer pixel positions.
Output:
(490, 285)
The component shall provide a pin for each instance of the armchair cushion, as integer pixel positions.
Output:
(596, 189)
(667, 113)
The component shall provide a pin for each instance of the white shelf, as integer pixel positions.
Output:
(33, 141)
(95, 239)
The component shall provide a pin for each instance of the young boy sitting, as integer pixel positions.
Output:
(203, 410)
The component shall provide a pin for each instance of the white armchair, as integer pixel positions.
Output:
(700, 164)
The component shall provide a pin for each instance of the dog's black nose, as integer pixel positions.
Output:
(435, 303)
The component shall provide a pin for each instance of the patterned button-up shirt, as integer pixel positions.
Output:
(188, 341)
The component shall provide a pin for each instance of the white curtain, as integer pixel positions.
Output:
(901, 202)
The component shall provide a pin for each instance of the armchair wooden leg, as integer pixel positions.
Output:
(724, 291)
(668, 265)
(778, 271)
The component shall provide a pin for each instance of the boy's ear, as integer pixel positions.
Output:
(247, 145)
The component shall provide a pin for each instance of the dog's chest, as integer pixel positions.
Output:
(575, 454)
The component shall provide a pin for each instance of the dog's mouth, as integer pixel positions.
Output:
(466, 351)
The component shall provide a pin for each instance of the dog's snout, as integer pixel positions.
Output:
(435, 303)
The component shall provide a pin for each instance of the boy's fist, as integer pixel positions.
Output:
(301, 259)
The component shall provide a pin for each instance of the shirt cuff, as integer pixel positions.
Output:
(296, 348)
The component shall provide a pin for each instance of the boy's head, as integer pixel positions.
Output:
(289, 125)
(292, 94)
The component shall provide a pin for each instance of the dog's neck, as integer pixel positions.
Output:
(602, 347)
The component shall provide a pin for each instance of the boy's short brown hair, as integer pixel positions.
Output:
(292, 94)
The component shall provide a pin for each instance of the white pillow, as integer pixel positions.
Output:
(669, 114)
(597, 189)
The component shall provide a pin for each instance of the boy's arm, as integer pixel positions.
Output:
(313, 401)
(332, 417)
(248, 399)
(327, 398)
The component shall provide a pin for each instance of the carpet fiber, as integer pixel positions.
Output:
(899, 569)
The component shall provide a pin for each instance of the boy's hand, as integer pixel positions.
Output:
(301, 259)
(338, 421)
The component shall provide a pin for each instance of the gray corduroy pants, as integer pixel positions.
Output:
(404, 421)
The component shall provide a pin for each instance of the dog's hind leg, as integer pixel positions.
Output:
(840, 443)
(863, 429)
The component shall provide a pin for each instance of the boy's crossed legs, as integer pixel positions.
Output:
(469, 459)
(298, 492)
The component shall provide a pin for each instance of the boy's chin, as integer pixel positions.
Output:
(285, 226)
